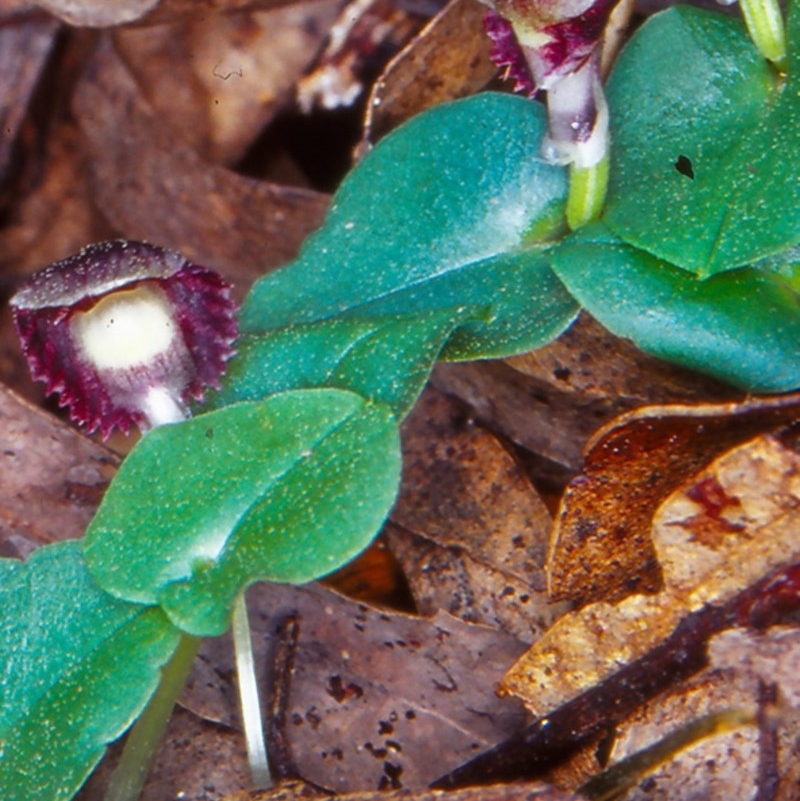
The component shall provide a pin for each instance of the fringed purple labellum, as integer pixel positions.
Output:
(507, 55)
(126, 333)
(540, 49)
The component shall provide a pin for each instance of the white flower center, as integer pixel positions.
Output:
(126, 329)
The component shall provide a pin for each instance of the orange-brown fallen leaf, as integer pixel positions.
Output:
(601, 547)
(707, 553)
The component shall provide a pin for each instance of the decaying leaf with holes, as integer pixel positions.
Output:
(468, 527)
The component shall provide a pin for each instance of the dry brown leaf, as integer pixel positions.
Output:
(447, 60)
(469, 529)
(752, 673)
(217, 80)
(97, 13)
(373, 700)
(52, 478)
(55, 215)
(552, 400)
(520, 792)
(768, 660)
(707, 557)
(582, 729)
(150, 187)
(767, 657)
(26, 42)
(717, 768)
(175, 10)
(601, 547)
(105, 13)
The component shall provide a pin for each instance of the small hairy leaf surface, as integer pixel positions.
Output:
(285, 489)
(449, 212)
(705, 170)
(77, 667)
(742, 326)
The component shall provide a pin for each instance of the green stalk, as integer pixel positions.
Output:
(248, 697)
(625, 774)
(587, 193)
(145, 737)
(764, 22)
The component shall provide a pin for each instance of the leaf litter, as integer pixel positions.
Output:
(140, 125)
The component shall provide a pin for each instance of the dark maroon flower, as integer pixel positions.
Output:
(552, 45)
(126, 333)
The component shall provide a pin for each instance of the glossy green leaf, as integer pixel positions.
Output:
(386, 360)
(77, 667)
(447, 213)
(742, 326)
(705, 167)
(285, 489)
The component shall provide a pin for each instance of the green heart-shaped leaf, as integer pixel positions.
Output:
(742, 326)
(449, 212)
(706, 144)
(286, 489)
(77, 667)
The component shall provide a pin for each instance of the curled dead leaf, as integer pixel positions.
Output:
(448, 59)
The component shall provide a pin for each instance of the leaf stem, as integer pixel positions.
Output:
(587, 193)
(248, 697)
(764, 22)
(145, 737)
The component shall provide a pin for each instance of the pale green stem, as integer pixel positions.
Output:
(587, 193)
(248, 697)
(141, 745)
(764, 22)
(625, 774)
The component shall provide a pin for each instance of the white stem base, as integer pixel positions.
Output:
(249, 699)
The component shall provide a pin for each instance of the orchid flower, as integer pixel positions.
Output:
(553, 45)
(126, 333)
(550, 45)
